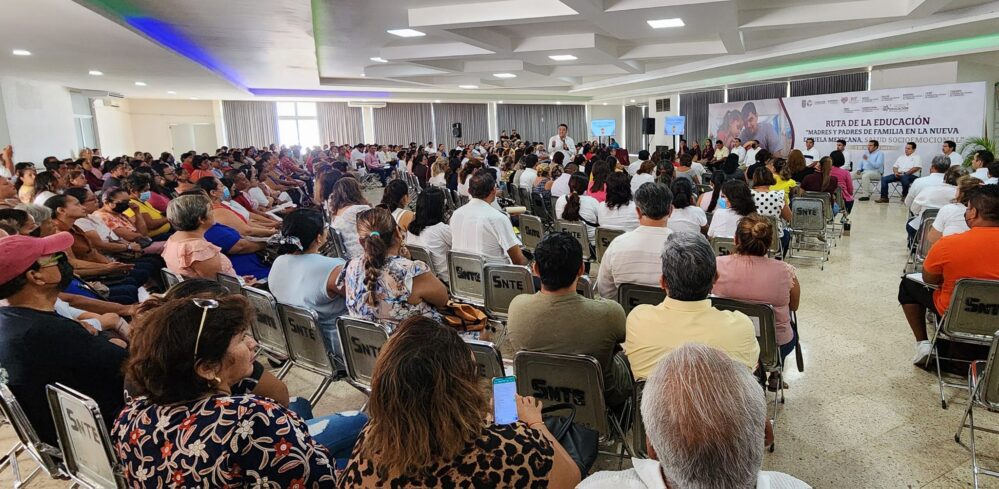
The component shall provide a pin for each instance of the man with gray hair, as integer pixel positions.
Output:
(633, 257)
(686, 315)
(703, 434)
(938, 167)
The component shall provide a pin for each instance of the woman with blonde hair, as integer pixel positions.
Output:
(430, 423)
(382, 285)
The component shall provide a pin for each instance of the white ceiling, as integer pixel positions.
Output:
(326, 45)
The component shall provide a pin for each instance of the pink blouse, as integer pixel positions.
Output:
(758, 279)
(180, 255)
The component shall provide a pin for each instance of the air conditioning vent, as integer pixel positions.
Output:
(376, 105)
(662, 105)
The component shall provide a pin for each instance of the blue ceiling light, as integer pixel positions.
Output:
(171, 38)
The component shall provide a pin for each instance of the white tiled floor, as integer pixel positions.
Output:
(859, 415)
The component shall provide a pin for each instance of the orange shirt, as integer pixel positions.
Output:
(970, 254)
(199, 174)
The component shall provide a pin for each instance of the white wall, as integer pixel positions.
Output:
(609, 111)
(913, 75)
(39, 119)
(114, 127)
(971, 72)
(659, 139)
(151, 120)
(4, 132)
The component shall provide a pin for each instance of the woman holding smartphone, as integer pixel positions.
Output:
(431, 423)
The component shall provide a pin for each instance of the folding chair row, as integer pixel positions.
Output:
(920, 245)
(808, 230)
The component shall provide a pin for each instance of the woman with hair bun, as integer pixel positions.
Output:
(302, 276)
(749, 275)
(383, 286)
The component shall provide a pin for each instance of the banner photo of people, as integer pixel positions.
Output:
(927, 116)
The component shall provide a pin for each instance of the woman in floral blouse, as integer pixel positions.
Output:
(383, 286)
(186, 429)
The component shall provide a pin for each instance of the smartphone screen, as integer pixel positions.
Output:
(505, 399)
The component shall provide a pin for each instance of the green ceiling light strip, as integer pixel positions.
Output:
(910, 53)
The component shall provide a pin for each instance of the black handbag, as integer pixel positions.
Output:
(579, 441)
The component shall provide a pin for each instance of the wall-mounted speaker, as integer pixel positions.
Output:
(648, 126)
(456, 129)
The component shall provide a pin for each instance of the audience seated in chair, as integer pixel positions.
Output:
(700, 434)
(381, 285)
(952, 258)
(40, 347)
(345, 202)
(301, 276)
(431, 424)
(950, 219)
(618, 209)
(429, 231)
(396, 199)
(739, 203)
(686, 216)
(633, 257)
(479, 228)
(749, 275)
(184, 426)
(187, 252)
(686, 315)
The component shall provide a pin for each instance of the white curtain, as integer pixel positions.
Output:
(339, 123)
(633, 116)
(473, 119)
(403, 123)
(249, 123)
(540, 122)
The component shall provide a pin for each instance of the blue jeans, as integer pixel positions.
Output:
(337, 432)
(788, 347)
(905, 179)
(331, 338)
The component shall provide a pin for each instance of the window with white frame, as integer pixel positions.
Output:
(297, 124)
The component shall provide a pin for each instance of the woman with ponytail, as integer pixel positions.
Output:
(686, 217)
(749, 275)
(302, 276)
(577, 206)
(383, 286)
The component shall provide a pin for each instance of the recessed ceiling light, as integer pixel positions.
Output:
(363, 75)
(664, 23)
(96, 72)
(405, 33)
(194, 98)
(504, 75)
(501, 101)
(140, 84)
(605, 103)
(171, 92)
(632, 100)
(562, 57)
(21, 52)
(468, 87)
(559, 102)
(437, 101)
(379, 59)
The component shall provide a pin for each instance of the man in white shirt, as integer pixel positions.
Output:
(477, 227)
(560, 186)
(752, 148)
(939, 166)
(562, 143)
(357, 154)
(950, 151)
(529, 174)
(643, 156)
(730, 428)
(841, 147)
(738, 149)
(811, 153)
(633, 257)
(981, 163)
(904, 170)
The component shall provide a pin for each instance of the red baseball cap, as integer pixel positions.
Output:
(17, 253)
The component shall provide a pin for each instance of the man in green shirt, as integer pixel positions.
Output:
(558, 320)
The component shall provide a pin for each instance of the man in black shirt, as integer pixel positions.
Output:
(37, 346)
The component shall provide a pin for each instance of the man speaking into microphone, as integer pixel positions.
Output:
(562, 143)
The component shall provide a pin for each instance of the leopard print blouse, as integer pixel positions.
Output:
(504, 456)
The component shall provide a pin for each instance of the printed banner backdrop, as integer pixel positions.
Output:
(926, 115)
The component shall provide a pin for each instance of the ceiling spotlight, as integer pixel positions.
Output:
(664, 23)
(500, 102)
(96, 72)
(171, 92)
(363, 75)
(632, 100)
(21, 52)
(468, 87)
(562, 57)
(504, 75)
(379, 59)
(437, 101)
(140, 84)
(405, 33)
(605, 103)
(558, 102)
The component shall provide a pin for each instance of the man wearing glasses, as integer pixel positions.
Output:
(39, 347)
